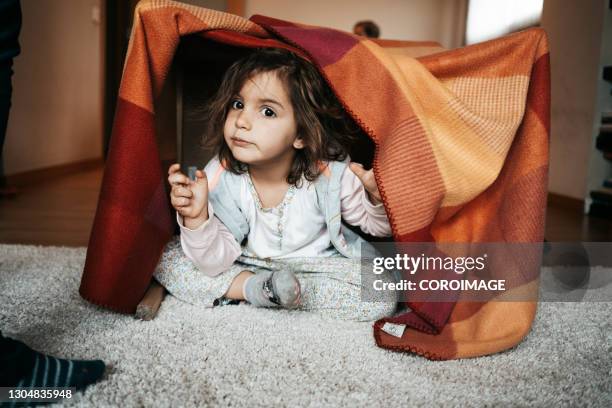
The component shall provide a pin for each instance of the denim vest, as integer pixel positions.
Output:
(225, 191)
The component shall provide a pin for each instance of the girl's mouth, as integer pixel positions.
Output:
(240, 142)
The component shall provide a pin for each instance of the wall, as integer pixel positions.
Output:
(56, 116)
(437, 20)
(575, 35)
(211, 4)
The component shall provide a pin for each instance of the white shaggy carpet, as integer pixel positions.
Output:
(241, 356)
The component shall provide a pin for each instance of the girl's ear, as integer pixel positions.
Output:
(298, 143)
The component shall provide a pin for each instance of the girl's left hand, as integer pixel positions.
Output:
(368, 181)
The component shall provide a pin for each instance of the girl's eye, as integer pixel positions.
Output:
(268, 112)
(236, 104)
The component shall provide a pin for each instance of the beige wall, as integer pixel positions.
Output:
(575, 35)
(437, 20)
(211, 4)
(56, 116)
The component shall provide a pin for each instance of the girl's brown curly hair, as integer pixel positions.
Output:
(325, 128)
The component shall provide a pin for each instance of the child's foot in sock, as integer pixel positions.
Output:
(51, 371)
(269, 289)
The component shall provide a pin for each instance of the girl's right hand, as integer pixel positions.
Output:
(189, 198)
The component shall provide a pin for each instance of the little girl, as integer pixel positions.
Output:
(263, 221)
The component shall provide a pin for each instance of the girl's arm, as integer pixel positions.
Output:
(211, 246)
(357, 209)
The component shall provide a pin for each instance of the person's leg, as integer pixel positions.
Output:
(182, 278)
(336, 299)
(5, 106)
(179, 275)
(16, 360)
(20, 366)
(236, 289)
(10, 25)
(331, 287)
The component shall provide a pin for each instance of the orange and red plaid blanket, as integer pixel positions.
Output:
(461, 156)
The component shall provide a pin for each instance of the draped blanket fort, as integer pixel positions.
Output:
(461, 155)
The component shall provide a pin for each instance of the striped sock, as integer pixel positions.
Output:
(51, 371)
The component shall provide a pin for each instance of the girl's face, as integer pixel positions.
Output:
(260, 126)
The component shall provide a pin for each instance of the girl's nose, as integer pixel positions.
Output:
(242, 121)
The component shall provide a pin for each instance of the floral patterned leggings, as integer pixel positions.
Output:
(331, 287)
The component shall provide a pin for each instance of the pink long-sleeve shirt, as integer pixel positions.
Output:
(294, 228)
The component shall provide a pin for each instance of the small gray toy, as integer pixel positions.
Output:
(191, 172)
